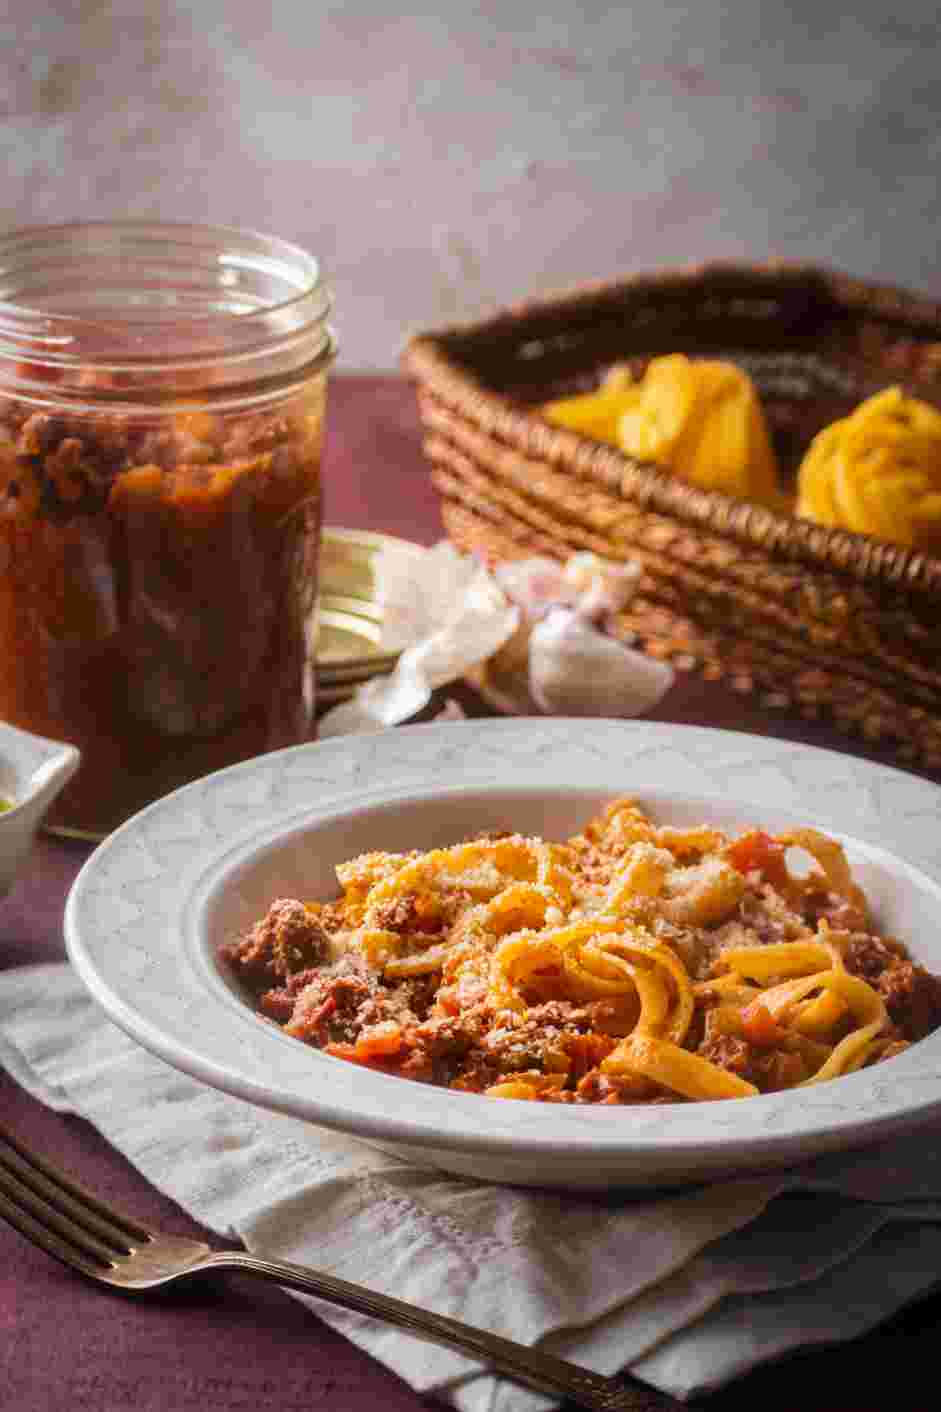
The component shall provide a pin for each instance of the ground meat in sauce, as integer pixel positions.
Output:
(913, 999)
(443, 1028)
(841, 914)
(288, 939)
(328, 1008)
(767, 917)
(869, 956)
(768, 1069)
(332, 1005)
(335, 1003)
(537, 1040)
(403, 915)
(912, 995)
(450, 1036)
(597, 1087)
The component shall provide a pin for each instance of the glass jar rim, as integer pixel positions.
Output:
(157, 299)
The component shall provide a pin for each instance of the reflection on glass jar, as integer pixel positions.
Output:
(162, 394)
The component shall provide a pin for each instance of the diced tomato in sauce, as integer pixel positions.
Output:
(758, 852)
(759, 1026)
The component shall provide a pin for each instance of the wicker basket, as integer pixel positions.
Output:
(817, 620)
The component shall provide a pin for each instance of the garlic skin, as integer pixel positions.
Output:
(571, 667)
(469, 625)
(530, 626)
(601, 586)
(534, 585)
(585, 581)
(576, 670)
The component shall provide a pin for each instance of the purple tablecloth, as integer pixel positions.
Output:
(66, 1346)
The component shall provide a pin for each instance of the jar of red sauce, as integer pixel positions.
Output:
(162, 396)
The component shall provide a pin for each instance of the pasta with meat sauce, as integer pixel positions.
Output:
(632, 963)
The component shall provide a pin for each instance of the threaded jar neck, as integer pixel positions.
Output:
(133, 312)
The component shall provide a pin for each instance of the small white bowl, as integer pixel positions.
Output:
(32, 772)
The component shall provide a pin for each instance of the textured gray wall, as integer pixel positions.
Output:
(445, 161)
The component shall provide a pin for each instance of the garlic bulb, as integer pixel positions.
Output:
(576, 670)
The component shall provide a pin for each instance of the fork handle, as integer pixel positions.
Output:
(528, 1365)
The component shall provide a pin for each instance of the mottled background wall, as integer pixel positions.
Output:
(465, 154)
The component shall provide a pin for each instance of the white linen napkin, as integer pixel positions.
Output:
(688, 1290)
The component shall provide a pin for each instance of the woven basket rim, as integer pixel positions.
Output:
(852, 292)
(432, 358)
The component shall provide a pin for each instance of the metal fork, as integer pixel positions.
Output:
(112, 1249)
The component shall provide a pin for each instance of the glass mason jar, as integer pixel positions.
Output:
(162, 397)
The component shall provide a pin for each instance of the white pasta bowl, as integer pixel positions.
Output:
(150, 911)
(32, 772)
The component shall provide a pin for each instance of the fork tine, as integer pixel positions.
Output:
(34, 1204)
(42, 1236)
(48, 1198)
(110, 1225)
